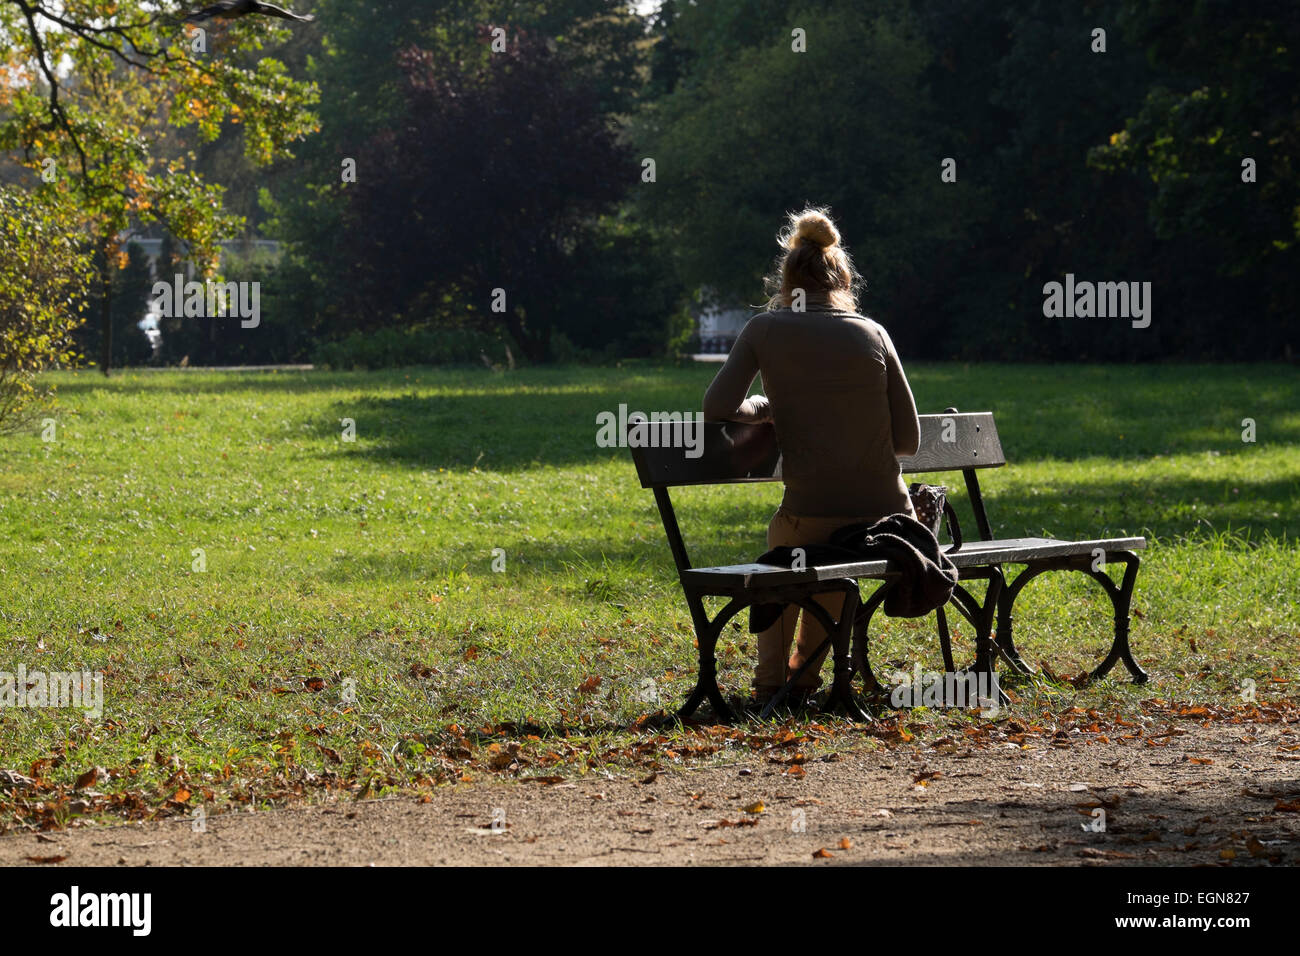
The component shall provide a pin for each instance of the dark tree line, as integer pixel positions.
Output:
(520, 166)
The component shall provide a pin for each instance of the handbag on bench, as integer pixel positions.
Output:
(932, 509)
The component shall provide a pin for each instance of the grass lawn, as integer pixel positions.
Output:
(349, 631)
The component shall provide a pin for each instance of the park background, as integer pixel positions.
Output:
(345, 629)
(524, 168)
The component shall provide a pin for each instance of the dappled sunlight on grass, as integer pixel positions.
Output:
(371, 562)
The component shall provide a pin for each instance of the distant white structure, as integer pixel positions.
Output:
(152, 248)
(149, 326)
(719, 327)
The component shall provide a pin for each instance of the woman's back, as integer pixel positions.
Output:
(840, 402)
(843, 413)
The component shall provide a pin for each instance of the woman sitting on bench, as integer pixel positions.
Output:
(843, 412)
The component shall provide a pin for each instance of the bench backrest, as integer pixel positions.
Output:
(730, 453)
(671, 454)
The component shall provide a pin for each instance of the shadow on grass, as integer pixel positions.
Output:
(1063, 413)
(526, 560)
(1166, 508)
(718, 533)
(547, 416)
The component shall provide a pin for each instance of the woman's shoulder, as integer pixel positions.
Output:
(866, 321)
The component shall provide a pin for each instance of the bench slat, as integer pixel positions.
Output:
(1020, 550)
(732, 453)
(973, 554)
(773, 575)
(729, 453)
(954, 441)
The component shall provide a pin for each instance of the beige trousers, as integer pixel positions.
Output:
(776, 664)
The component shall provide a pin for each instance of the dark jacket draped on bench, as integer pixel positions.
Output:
(926, 576)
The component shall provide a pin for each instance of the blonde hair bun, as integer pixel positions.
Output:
(814, 261)
(812, 225)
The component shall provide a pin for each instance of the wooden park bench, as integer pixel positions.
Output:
(734, 453)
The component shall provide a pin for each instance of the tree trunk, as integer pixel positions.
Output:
(534, 350)
(106, 305)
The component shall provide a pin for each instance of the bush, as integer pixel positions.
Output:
(41, 273)
(630, 302)
(394, 347)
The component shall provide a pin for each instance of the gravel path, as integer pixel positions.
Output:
(1224, 794)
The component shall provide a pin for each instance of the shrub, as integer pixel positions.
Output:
(394, 347)
(42, 271)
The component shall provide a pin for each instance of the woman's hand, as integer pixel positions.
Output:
(761, 410)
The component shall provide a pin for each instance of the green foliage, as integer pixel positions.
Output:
(132, 288)
(103, 107)
(1225, 94)
(513, 148)
(753, 129)
(625, 301)
(103, 90)
(743, 129)
(40, 300)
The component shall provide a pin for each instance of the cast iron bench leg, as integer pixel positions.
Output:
(841, 694)
(981, 615)
(1121, 598)
(862, 641)
(706, 633)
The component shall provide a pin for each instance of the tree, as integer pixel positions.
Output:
(1218, 136)
(472, 206)
(752, 128)
(40, 300)
(96, 87)
(594, 46)
(131, 291)
(1028, 95)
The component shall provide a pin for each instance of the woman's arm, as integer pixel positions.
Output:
(902, 406)
(725, 400)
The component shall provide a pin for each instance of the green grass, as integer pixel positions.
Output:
(368, 565)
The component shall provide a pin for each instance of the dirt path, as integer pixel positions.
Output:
(1226, 794)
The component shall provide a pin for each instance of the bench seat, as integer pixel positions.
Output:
(973, 554)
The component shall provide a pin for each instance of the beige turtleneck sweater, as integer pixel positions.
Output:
(842, 407)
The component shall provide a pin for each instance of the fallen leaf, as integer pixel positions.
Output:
(90, 777)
